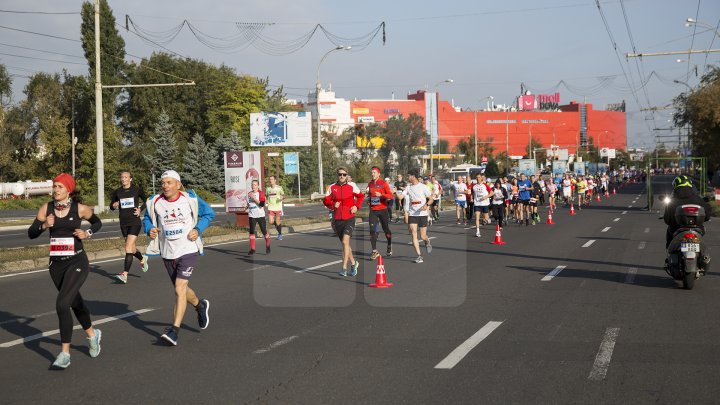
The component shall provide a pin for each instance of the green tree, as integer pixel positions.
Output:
(698, 111)
(165, 154)
(401, 139)
(198, 172)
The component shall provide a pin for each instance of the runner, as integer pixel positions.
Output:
(481, 201)
(525, 187)
(567, 190)
(391, 201)
(417, 204)
(515, 200)
(130, 199)
(69, 265)
(499, 197)
(174, 221)
(431, 187)
(379, 195)
(551, 190)
(460, 189)
(275, 196)
(344, 198)
(508, 188)
(535, 198)
(437, 200)
(400, 185)
(256, 214)
(581, 187)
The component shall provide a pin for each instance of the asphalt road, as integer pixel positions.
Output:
(577, 312)
(13, 238)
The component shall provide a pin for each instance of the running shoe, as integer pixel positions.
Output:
(458, 222)
(354, 268)
(170, 336)
(94, 343)
(527, 222)
(279, 236)
(121, 277)
(389, 252)
(251, 252)
(267, 250)
(374, 254)
(428, 247)
(419, 259)
(144, 264)
(343, 273)
(203, 316)
(477, 233)
(62, 361)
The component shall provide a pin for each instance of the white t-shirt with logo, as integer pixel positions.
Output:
(175, 222)
(415, 199)
(479, 194)
(254, 210)
(460, 190)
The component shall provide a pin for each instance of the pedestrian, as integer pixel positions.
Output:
(69, 264)
(175, 221)
(256, 215)
(275, 196)
(129, 199)
(344, 198)
(460, 191)
(481, 201)
(400, 185)
(525, 189)
(379, 195)
(391, 201)
(499, 199)
(417, 205)
(437, 198)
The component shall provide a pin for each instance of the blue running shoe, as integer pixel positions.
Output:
(354, 268)
(203, 316)
(62, 361)
(170, 336)
(94, 343)
(343, 273)
(279, 236)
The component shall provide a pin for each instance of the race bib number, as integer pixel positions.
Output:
(399, 195)
(127, 203)
(62, 246)
(174, 232)
(374, 200)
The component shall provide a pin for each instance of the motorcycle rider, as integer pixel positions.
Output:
(682, 194)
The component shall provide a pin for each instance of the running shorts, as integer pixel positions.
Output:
(421, 221)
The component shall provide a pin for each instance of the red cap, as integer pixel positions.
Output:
(66, 180)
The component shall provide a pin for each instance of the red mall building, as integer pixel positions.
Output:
(570, 126)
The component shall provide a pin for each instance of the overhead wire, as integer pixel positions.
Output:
(39, 12)
(692, 40)
(42, 50)
(717, 27)
(39, 33)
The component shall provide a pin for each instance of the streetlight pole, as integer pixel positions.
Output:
(317, 118)
(432, 120)
(692, 21)
(100, 157)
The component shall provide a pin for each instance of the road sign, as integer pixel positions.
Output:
(291, 162)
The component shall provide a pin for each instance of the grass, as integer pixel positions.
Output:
(23, 204)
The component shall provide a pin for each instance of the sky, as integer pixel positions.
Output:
(486, 48)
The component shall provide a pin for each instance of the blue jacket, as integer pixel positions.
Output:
(202, 214)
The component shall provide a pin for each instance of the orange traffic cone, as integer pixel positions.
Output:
(380, 280)
(613, 190)
(607, 194)
(597, 197)
(572, 209)
(498, 236)
(549, 220)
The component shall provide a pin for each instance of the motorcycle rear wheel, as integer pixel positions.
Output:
(689, 281)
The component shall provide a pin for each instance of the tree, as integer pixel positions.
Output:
(5, 89)
(698, 110)
(165, 155)
(197, 171)
(402, 137)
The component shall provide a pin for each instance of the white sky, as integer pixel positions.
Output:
(487, 48)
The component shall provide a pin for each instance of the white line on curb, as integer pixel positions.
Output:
(276, 344)
(553, 273)
(77, 327)
(607, 228)
(461, 351)
(632, 271)
(602, 360)
(588, 243)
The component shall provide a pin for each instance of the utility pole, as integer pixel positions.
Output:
(100, 164)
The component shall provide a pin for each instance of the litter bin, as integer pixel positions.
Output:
(242, 219)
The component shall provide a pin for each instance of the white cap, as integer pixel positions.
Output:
(172, 174)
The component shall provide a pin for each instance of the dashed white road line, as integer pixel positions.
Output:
(630, 206)
(604, 355)
(624, 212)
(276, 344)
(632, 271)
(647, 230)
(461, 351)
(588, 243)
(641, 245)
(27, 318)
(274, 264)
(607, 228)
(553, 273)
(319, 266)
(77, 327)
(616, 219)
(420, 240)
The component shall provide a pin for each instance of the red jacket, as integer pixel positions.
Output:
(347, 194)
(379, 203)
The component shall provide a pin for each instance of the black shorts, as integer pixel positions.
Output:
(422, 221)
(525, 202)
(130, 230)
(344, 227)
(482, 208)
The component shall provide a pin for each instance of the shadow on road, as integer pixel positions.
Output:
(20, 326)
(652, 281)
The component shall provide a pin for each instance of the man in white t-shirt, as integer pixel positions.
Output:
(481, 202)
(417, 199)
(460, 190)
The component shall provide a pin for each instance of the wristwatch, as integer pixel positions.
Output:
(89, 233)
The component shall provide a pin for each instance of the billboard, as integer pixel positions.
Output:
(559, 167)
(281, 129)
(291, 162)
(241, 168)
(607, 152)
(527, 102)
(527, 166)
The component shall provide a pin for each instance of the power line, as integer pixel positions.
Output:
(38, 33)
(42, 50)
(692, 41)
(39, 12)
(711, 44)
(49, 60)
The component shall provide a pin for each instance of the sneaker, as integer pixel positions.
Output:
(203, 317)
(477, 233)
(458, 222)
(279, 236)
(94, 343)
(374, 254)
(527, 222)
(251, 252)
(62, 361)
(354, 268)
(144, 264)
(428, 247)
(389, 252)
(170, 336)
(343, 273)
(267, 250)
(121, 277)
(419, 259)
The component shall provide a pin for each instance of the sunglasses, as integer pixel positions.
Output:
(342, 174)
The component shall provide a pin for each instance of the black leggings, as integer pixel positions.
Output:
(68, 276)
(498, 211)
(383, 217)
(259, 221)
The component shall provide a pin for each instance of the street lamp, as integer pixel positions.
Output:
(317, 102)
(432, 120)
(691, 21)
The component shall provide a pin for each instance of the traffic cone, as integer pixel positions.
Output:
(607, 194)
(498, 236)
(380, 280)
(572, 209)
(613, 190)
(549, 220)
(597, 197)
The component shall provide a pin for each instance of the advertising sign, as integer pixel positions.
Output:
(368, 119)
(607, 152)
(281, 129)
(527, 166)
(241, 168)
(291, 162)
(559, 167)
(360, 111)
(579, 168)
(527, 102)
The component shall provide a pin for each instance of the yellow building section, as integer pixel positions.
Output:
(375, 142)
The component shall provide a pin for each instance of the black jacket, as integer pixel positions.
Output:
(681, 196)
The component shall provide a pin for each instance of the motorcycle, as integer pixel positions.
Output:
(687, 248)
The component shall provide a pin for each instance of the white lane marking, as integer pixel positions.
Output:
(641, 246)
(553, 273)
(38, 271)
(276, 344)
(630, 206)
(274, 264)
(461, 351)
(27, 318)
(420, 240)
(588, 243)
(77, 327)
(647, 230)
(607, 228)
(319, 266)
(624, 212)
(632, 271)
(616, 219)
(602, 360)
